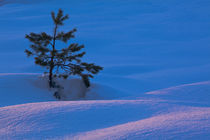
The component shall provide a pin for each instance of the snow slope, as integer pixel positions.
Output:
(191, 123)
(103, 120)
(194, 93)
(146, 46)
(141, 42)
(19, 88)
(155, 115)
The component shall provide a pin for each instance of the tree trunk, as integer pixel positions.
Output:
(51, 77)
(51, 84)
(86, 81)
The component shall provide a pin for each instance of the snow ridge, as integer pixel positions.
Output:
(162, 114)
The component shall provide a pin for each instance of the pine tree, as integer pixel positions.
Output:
(64, 62)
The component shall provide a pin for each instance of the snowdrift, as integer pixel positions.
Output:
(164, 114)
(126, 119)
(18, 89)
(188, 93)
(30, 88)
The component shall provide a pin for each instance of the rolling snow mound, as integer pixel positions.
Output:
(28, 88)
(162, 114)
(195, 92)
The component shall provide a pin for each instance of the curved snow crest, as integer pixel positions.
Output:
(168, 90)
(40, 120)
(152, 116)
(191, 124)
(100, 120)
(195, 92)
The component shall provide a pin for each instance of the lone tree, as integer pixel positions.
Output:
(60, 62)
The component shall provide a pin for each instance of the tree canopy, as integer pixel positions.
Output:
(60, 62)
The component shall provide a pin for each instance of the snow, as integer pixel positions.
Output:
(17, 88)
(155, 83)
(194, 93)
(189, 124)
(156, 114)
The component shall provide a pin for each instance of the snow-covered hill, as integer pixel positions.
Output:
(188, 93)
(170, 113)
(17, 88)
(156, 78)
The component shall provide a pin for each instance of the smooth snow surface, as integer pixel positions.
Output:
(28, 88)
(156, 78)
(19, 89)
(170, 113)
